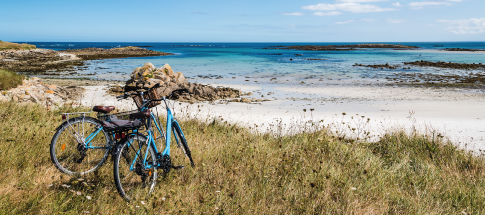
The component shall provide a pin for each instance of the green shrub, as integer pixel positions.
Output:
(9, 79)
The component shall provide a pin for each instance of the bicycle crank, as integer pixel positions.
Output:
(166, 164)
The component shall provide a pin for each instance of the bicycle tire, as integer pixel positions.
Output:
(66, 150)
(132, 184)
(184, 146)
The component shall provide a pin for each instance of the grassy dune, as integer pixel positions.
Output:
(9, 79)
(14, 46)
(239, 172)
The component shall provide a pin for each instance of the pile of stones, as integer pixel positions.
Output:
(34, 90)
(148, 75)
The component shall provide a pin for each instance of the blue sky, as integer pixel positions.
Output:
(243, 21)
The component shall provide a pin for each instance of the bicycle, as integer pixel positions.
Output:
(82, 144)
(138, 158)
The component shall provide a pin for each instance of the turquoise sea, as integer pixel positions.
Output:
(227, 60)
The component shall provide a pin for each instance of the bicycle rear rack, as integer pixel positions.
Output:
(65, 116)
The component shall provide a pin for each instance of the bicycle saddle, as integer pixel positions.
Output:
(103, 109)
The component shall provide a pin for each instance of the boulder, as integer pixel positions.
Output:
(34, 90)
(146, 76)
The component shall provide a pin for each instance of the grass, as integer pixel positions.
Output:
(9, 79)
(240, 172)
(15, 46)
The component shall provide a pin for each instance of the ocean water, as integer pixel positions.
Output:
(228, 60)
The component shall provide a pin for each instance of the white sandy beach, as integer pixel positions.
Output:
(456, 114)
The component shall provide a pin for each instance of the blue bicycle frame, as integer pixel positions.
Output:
(151, 139)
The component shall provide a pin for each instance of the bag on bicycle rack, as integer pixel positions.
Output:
(113, 123)
(151, 94)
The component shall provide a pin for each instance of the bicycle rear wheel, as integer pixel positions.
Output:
(69, 151)
(135, 170)
(182, 142)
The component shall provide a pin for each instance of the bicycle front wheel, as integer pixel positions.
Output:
(135, 168)
(79, 146)
(182, 142)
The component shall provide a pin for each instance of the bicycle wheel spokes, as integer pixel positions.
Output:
(73, 153)
(135, 172)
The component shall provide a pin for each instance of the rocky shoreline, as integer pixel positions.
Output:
(477, 79)
(344, 47)
(35, 90)
(441, 64)
(100, 53)
(422, 63)
(37, 60)
(46, 60)
(463, 50)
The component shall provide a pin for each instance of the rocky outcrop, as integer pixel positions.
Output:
(37, 60)
(441, 64)
(148, 75)
(44, 60)
(344, 47)
(34, 90)
(381, 66)
(463, 50)
(100, 53)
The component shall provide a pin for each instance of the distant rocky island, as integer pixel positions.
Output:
(463, 50)
(100, 53)
(344, 47)
(43, 60)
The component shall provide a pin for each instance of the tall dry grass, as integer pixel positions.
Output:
(15, 46)
(9, 79)
(241, 172)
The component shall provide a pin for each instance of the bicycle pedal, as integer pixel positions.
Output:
(178, 167)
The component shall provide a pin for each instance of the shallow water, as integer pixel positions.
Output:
(250, 59)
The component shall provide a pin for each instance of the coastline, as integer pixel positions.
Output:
(451, 112)
(452, 109)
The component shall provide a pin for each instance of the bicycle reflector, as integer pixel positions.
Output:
(119, 135)
(63, 116)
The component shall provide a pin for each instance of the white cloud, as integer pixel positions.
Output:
(359, 0)
(455, 0)
(396, 21)
(333, 13)
(427, 3)
(344, 22)
(466, 26)
(349, 7)
(369, 20)
(396, 4)
(293, 14)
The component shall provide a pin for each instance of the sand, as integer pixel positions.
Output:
(454, 113)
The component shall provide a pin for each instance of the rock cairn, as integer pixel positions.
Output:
(148, 75)
(34, 90)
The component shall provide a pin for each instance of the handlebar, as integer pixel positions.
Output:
(126, 95)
